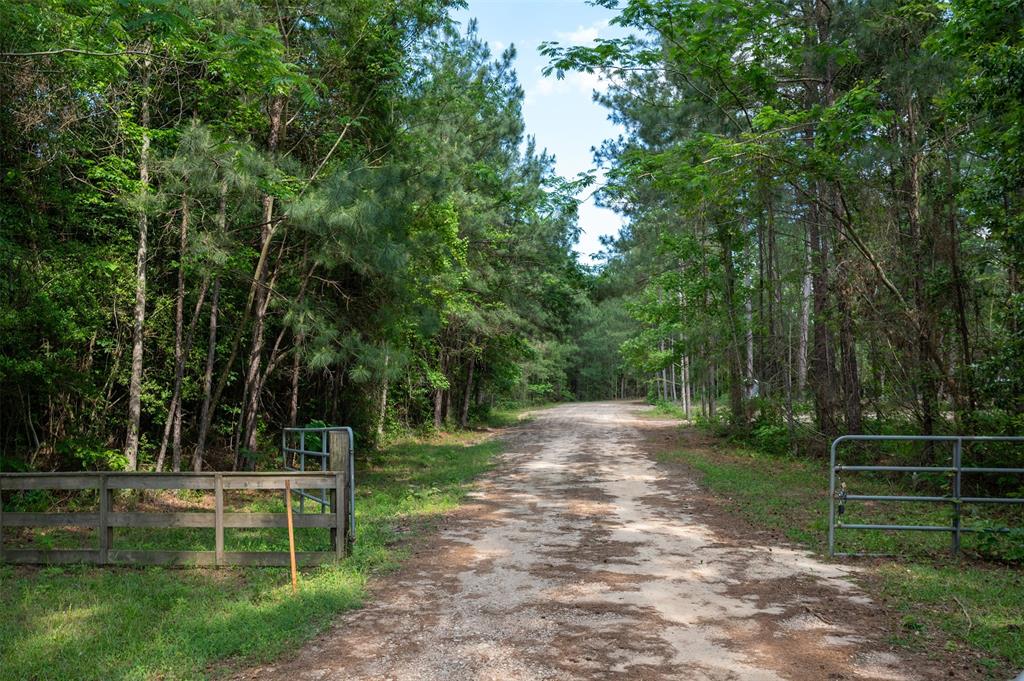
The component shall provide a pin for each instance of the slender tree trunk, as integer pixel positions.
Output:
(749, 372)
(261, 299)
(464, 417)
(805, 324)
(672, 377)
(447, 416)
(684, 369)
(211, 351)
(821, 369)
(382, 405)
(182, 346)
(209, 399)
(179, 340)
(172, 408)
(439, 394)
(850, 373)
(966, 354)
(131, 445)
(736, 405)
(927, 388)
(293, 402)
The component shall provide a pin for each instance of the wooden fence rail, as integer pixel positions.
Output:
(105, 519)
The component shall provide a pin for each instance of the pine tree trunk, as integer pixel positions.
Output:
(735, 352)
(173, 412)
(684, 370)
(293, 402)
(209, 398)
(464, 417)
(131, 446)
(179, 340)
(261, 298)
(439, 396)
(749, 368)
(927, 385)
(805, 323)
(382, 405)
(967, 355)
(672, 375)
(204, 413)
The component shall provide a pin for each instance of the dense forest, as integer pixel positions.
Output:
(222, 217)
(825, 205)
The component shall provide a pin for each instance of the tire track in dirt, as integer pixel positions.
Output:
(580, 557)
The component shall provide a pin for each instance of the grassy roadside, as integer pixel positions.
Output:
(79, 622)
(973, 606)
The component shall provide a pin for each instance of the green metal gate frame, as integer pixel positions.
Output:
(295, 459)
(955, 499)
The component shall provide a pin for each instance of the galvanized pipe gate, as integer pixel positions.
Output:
(957, 501)
(328, 449)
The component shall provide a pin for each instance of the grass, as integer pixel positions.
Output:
(975, 604)
(83, 622)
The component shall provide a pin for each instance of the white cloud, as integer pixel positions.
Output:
(497, 47)
(584, 35)
(574, 82)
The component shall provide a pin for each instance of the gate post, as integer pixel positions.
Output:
(958, 445)
(106, 532)
(1, 519)
(218, 519)
(832, 498)
(340, 444)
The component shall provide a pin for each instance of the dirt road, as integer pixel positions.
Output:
(580, 557)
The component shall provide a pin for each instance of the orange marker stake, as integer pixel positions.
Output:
(291, 535)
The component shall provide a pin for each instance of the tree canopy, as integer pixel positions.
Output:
(221, 217)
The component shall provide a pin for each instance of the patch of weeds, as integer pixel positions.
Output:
(670, 409)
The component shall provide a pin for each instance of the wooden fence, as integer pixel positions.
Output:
(105, 519)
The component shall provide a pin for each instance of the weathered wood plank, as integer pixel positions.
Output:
(150, 557)
(162, 520)
(276, 559)
(50, 519)
(171, 558)
(51, 556)
(196, 519)
(277, 480)
(162, 481)
(128, 480)
(22, 481)
(255, 520)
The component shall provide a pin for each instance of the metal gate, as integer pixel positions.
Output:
(322, 449)
(956, 469)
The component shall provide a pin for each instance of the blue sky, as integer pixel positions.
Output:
(559, 113)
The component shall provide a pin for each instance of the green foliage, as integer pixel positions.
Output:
(996, 543)
(824, 212)
(356, 189)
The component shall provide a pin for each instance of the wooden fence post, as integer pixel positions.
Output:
(340, 533)
(218, 519)
(1, 520)
(339, 447)
(106, 532)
